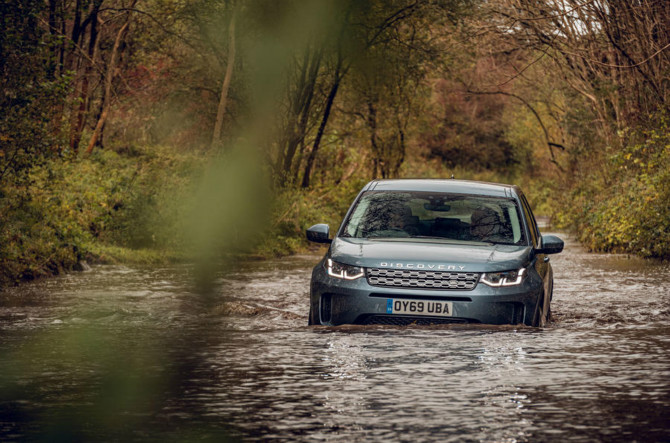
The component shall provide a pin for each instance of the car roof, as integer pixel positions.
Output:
(451, 186)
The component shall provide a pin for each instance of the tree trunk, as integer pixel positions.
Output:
(297, 127)
(54, 33)
(372, 124)
(322, 127)
(80, 113)
(218, 126)
(107, 98)
(76, 24)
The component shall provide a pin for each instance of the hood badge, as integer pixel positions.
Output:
(421, 266)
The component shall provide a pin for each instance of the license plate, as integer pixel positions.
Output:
(419, 307)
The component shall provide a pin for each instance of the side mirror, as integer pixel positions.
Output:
(319, 233)
(550, 245)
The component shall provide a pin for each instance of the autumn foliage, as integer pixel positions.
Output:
(566, 97)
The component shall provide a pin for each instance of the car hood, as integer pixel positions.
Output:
(429, 255)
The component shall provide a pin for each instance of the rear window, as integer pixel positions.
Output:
(452, 217)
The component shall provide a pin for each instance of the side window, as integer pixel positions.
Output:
(530, 220)
(512, 217)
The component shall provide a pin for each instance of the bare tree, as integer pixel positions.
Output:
(614, 53)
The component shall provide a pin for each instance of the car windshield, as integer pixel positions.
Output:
(435, 215)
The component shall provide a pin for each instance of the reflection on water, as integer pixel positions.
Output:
(167, 362)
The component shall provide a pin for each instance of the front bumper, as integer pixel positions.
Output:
(336, 301)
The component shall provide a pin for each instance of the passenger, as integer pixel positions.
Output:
(485, 226)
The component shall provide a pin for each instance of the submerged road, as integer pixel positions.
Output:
(121, 353)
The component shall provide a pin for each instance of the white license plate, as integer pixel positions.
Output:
(419, 307)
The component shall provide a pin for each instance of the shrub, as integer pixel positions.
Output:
(68, 209)
(627, 209)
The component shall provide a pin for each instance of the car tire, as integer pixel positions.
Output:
(551, 296)
(540, 317)
(312, 317)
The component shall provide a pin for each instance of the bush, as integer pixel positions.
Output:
(628, 208)
(70, 209)
(295, 210)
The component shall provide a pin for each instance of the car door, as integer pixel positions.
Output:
(541, 263)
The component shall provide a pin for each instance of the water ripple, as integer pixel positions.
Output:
(243, 361)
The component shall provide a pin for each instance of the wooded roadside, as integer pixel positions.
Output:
(123, 122)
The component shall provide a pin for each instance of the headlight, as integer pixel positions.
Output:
(346, 272)
(507, 278)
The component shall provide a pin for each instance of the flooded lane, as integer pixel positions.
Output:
(137, 354)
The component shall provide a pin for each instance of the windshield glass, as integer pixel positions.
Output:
(436, 215)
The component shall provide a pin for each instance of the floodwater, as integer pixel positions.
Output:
(121, 353)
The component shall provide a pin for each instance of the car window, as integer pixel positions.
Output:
(453, 217)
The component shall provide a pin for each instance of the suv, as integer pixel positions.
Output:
(434, 251)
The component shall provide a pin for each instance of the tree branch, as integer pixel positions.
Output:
(550, 144)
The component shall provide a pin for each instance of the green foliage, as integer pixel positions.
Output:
(108, 253)
(296, 210)
(626, 208)
(29, 95)
(149, 197)
(75, 208)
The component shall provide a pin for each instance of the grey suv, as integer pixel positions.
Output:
(434, 251)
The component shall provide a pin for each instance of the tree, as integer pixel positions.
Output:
(614, 53)
(109, 77)
(81, 58)
(29, 93)
(385, 50)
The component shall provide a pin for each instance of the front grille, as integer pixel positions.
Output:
(406, 278)
(392, 320)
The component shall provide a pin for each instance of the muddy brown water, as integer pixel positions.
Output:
(121, 353)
